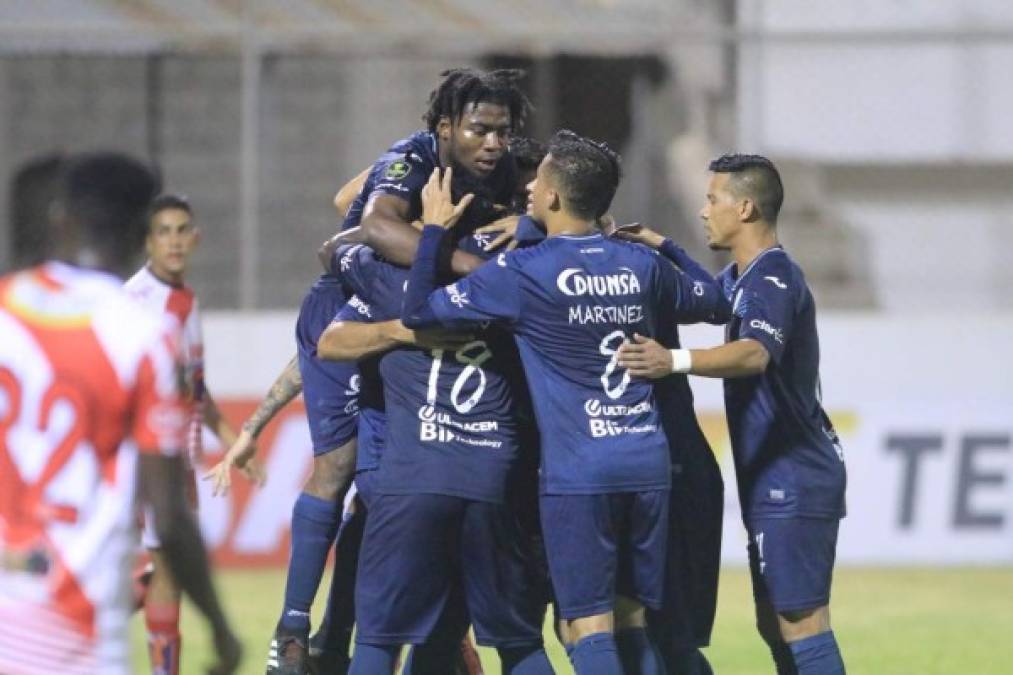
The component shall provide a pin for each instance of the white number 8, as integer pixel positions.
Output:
(607, 349)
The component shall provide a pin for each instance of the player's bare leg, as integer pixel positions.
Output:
(593, 648)
(796, 638)
(638, 654)
(804, 623)
(318, 512)
(161, 617)
(768, 625)
(811, 641)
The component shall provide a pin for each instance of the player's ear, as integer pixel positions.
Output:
(748, 211)
(196, 237)
(555, 200)
(443, 128)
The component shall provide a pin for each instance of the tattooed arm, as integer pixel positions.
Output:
(285, 388)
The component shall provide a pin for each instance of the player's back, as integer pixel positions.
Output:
(786, 450)
(582, 297)
(83, 369)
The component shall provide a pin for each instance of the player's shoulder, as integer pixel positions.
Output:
(141, 283)
(776, 268)
(347, 256)
(415, 154)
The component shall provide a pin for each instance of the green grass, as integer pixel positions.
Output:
(887, 621)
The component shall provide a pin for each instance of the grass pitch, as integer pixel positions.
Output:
(887, 621)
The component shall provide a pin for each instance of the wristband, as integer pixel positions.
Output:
(682, 360)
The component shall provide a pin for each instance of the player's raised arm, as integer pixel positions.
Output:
(489, 294)
(386, 227)
(698, 295)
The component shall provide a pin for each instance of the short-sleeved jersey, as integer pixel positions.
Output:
(179, 302)
(88, 378)
(571, 302)
(405, 168)
(787, 455)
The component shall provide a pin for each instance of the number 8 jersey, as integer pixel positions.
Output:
(570, 303)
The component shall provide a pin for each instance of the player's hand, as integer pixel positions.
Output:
(505, 228)
(438, 206)
(227, 650)
(645, 357)
(242, 456)
(638, 233)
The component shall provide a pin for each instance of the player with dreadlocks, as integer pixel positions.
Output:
(429, 489)
(470, 120)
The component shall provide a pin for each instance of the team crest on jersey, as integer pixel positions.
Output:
(397, 170)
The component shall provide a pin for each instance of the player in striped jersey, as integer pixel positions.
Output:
(89, 404)
(172, 238)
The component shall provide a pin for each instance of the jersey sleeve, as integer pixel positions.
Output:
(402, 175)
(159, 419)
(353, 265)
(359, 310)
(490, 293)
(766, 307)
(697, 295)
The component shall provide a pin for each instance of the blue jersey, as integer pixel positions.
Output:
(453, 417)
(450, 418)
(571, 302)
(405, 168)
(451, 424)
(788, 459)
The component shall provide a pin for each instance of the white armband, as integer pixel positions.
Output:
(682, 360)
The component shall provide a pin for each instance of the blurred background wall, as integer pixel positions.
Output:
(889, 118)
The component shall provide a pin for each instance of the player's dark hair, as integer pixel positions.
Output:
(34, 187)
(108, 195)
(462, 87)
(527, 152)
(587, 171)
(170, 200)
(755, 177)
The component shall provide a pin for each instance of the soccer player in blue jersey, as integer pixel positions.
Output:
(788, 459)
(570, 303)
(470, 119)
(330, 392)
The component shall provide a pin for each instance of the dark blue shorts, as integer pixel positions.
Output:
(330, 388)
(792, 561)
(605, 544)
(417, 549)
(693, 562)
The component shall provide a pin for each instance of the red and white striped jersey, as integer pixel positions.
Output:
(180, 303)
(88, 378)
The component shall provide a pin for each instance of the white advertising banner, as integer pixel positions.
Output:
(923, 404)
